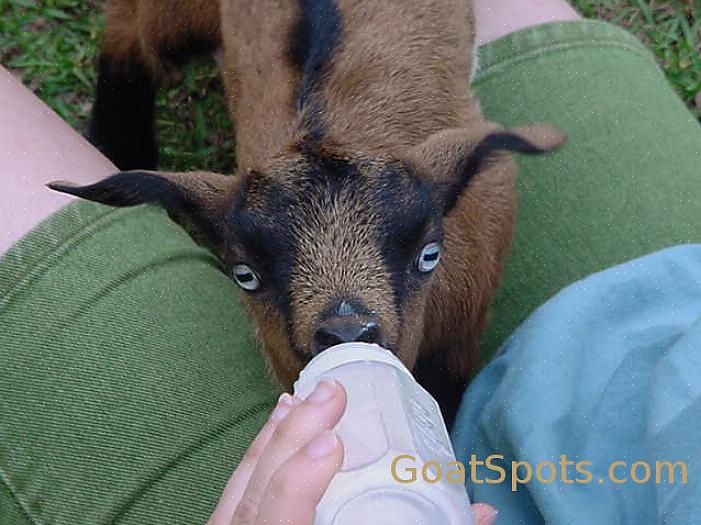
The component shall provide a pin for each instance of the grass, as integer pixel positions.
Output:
(670, 29)
(52, 46)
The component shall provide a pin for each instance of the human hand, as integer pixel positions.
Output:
(289, 465)
(291, 462)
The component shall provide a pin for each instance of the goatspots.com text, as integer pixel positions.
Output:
(408, 469)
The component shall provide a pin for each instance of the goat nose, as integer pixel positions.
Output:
(343, 330)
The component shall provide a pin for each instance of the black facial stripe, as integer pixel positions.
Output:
(268, 235)
(268, 242)
(313, 41)
(406, 219)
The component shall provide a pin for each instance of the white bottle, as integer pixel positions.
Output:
(388, 415)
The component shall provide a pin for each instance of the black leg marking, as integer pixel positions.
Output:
(446, 387)
(121, 124)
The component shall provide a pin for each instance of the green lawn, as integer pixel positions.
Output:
(52, 46)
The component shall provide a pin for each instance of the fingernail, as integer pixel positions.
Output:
(322, 445)
(323, 392)
(283, 407)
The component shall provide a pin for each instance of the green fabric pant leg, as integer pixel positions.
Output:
(628, 181)
(129, 385)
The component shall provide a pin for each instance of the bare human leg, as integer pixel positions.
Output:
(496, 18)
(36, 146)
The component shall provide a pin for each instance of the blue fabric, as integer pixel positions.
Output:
(608, 370)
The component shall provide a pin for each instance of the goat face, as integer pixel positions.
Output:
(331, 248)
(328, 246)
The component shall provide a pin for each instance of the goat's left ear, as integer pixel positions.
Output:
(194, 200)
(449, 159)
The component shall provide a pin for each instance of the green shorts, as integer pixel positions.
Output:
(130, 386)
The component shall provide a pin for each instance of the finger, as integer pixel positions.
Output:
(229, 500)
(320, 411)
(484, 514)
(296, 488)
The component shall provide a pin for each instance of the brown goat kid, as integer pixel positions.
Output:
(372, 200)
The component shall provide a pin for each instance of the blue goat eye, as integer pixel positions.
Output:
(429, 257)
(246, 278)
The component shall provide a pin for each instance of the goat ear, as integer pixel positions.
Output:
(194, 200)
(451, 158)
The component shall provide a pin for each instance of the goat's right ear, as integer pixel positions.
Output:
(194, 200)
(451, 158)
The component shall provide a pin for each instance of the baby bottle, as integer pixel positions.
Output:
(391, 429)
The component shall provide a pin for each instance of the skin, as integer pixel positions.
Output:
(37, 145)
(497, 18)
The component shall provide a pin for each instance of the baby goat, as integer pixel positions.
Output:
(372, 200)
